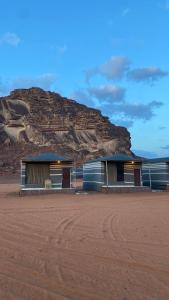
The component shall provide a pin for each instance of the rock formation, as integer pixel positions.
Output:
(32, 121)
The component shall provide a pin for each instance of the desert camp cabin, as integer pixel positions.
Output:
(155, 173)
(116, 173)
(46, 171)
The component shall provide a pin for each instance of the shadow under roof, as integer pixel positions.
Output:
(46, 156)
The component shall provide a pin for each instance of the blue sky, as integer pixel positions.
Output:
(111, 55)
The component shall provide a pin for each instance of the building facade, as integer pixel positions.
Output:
(118, 172)
(155, 173)
(47, 171)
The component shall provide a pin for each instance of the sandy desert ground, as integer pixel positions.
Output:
(84, 246)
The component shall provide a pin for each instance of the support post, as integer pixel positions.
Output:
(74, 175)
(70, 177)
(150, 177)
(141, 181)
(107, 176)
(21, 174)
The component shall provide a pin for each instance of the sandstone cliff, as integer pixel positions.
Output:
(32, 120)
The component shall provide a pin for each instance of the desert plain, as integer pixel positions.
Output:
(83, 247)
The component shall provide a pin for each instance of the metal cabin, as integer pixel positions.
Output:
(116, 173)
(155, 173)
(46, 172)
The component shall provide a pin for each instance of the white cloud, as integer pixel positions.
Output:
(111, 100)
(139, 110)
(149, 74)
(117, 67)
(131, 111)
(113, 69)
(11, 39)
(109, 93)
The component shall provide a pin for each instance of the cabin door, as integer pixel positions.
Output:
(137, 177)
(66, 178)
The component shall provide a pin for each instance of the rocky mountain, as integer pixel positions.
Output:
(33, 120)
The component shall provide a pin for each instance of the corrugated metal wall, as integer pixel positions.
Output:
(129, 173)
(155, 175)
(56, 175)
(94, 175)
(23, 175)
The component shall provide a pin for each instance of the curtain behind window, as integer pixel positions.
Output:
(112, 172)
(37, 173)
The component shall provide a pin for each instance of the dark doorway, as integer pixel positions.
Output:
(137, 177)
(66, 178)
(120, 171)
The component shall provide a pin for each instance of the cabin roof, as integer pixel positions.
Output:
(46, 156)
(157, 160)
(118, 157)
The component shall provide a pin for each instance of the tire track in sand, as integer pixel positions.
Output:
(114, 237)
(66, 272)
(53, 241)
